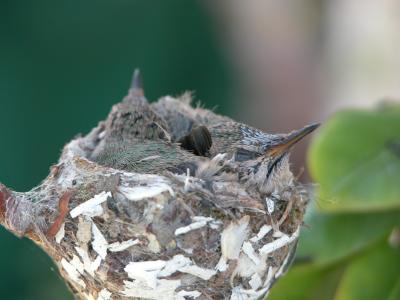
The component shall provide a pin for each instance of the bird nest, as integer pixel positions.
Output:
(154, 227)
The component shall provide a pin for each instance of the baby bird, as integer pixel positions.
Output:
(262, 159)
(138, 138)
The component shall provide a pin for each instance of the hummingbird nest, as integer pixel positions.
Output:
(166, 201)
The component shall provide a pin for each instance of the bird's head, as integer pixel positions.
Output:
(264, 158)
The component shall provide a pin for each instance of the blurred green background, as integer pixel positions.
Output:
(63, 64)
(276, 65)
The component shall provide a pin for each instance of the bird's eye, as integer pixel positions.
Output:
(244, 154)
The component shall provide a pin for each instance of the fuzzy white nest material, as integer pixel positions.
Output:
(149, 272)
(185, 265)
(145, 271)
(284, 265)
(153, 245)
(199, 222)
(190, 294)
(264, 230)
(89, 297)
(92, 207)
(202, 273)
(99, 243)
(279, 243)
(164, 290)
(239, 293)
(73, 149)
(255, 281)
(89, 266)
(152, 189)
(210, 168)
(245, 267)
(270, 205)
(187, 180)
(102, 135)
(72, 272)
(76, 262)
(60, 234)
(192, 226)
(233, 236)
(104, 295)
(232, 239)
(250, 252)
(277, 234)
(269, 277)
(173, 265)
(121, 246)
(189, 183)
(84, 233)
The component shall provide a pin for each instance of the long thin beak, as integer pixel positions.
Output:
(290, 139)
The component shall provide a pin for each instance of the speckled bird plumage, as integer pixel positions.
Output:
(145, 138)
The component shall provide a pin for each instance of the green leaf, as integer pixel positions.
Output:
(355, 159)
(307, 282)
(395, 292)
(329, 237)
(373, 275)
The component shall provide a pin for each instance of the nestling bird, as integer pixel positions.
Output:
(138, 139)
(262, 159)
(143, 142)
(131, 120)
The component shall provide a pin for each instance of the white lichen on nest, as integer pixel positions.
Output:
(92, 207)
(199, 222)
